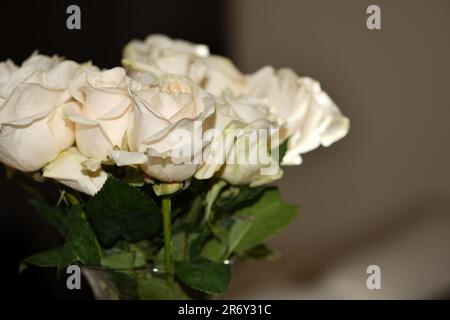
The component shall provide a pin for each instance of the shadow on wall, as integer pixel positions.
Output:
(411, 250)
(379, 196)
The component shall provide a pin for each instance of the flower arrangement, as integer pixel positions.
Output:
(161, 169)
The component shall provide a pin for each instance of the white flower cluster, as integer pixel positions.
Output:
(174, 110)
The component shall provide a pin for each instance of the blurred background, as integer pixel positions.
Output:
(381, 196)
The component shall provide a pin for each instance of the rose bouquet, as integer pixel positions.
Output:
(159, 170)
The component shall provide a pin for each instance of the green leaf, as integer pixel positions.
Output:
(238, 232)
(157, 289)
(119, 210)
(45, 259)
(179, 250)
(204, 275)
(198, 241)
(234, 198)
(125, 284)
(146, 248)
(81, 244)
(52, 214)
(260, 221)
(124, 260)
(188, 203)
(140, 257)
(260, 252)
(214, 250)
(189, 222)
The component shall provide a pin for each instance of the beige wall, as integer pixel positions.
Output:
(381, 195)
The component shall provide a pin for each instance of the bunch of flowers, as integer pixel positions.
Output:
(162, 167)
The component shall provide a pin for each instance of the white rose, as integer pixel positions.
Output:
(33, 129)
(102, 121)
(221, 75)
(30, 71)
(312, 117)
(246, 132)
(67, 169)
(169, 118)
(159, 54)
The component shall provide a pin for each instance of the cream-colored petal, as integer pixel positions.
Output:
(68, 170)
(29, 100)
(126, 158)
(92, 165)
(27, 148)
(312, 118)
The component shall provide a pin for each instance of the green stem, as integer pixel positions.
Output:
(168, 259)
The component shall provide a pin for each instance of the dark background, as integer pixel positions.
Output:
(106, 26)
